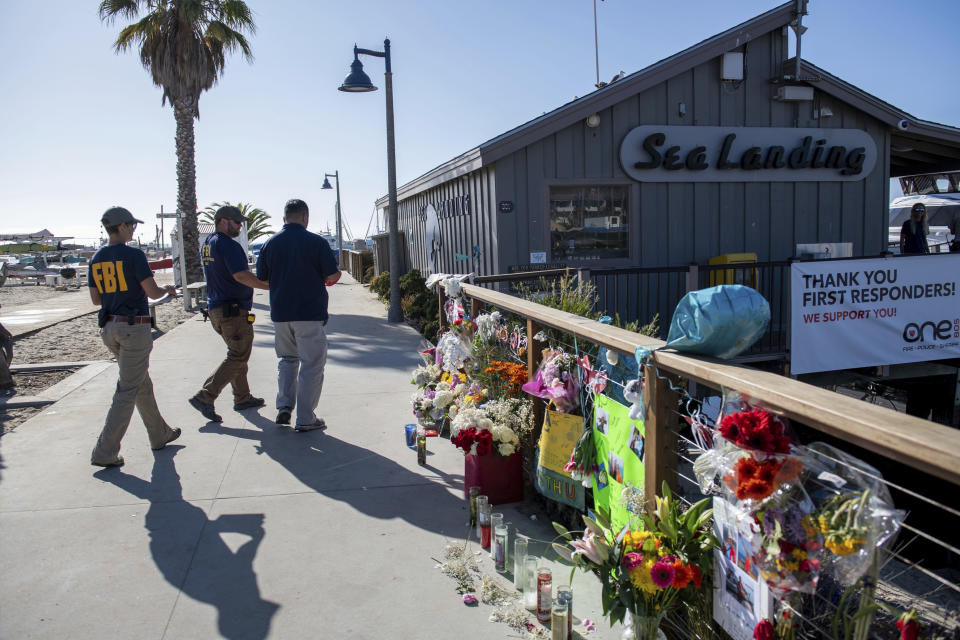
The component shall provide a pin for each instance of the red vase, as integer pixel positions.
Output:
(499, 478)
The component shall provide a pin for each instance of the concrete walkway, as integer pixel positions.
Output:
(245, 529)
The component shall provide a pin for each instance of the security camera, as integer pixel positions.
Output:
(902, 125)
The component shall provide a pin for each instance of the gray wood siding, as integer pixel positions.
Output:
(460, 232)
(691, 222)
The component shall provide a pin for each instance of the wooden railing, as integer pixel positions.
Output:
(926, 446)
(352, 262)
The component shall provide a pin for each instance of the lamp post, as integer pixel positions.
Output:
(359, 82)
(326, 185)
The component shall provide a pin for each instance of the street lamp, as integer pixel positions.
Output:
(326, 185)
(359, 82)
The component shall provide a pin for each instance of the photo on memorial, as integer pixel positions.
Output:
(600, 473)
(740, 587)
(636, 441)
(602, 419)
(615, 465)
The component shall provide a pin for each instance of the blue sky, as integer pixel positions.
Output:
(83, 128)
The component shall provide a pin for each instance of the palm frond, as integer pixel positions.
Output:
(110, 10)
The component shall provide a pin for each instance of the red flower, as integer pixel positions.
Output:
(697, 577)
(763, 630)
(908, 629)
(484, 443)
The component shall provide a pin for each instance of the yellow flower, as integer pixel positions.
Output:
(799, 554)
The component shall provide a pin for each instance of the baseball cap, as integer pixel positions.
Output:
(115, 216)
(230, 213)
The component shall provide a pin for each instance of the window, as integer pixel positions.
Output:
(589, 223)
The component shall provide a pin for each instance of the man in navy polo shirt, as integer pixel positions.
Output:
(299, 266)
(230, 288)
(120, 281)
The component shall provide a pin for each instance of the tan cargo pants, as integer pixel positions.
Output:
(131, 344)
(237, 333)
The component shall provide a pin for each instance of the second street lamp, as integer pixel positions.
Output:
(326, 185)
(359, 82)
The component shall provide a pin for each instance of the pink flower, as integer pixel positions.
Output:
(587, 547)
(632, 560)
(469, 598)
(662, 574)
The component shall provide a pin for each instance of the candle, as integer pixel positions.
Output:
(498, 549)
(519, 557)
(544, 594)
(530, 583)
(484, 521)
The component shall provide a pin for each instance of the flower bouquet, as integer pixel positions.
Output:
(492, 459)
(853, 510)
(556, 381)
(645, 571)
(789, 543)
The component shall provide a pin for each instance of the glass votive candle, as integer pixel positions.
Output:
(544, 594)
(519, 556)
(481, 501)
(485, 521)
(530, 583)
(473, 492)
(498, 545)
(563, 597)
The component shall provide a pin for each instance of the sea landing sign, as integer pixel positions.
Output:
(659, 153)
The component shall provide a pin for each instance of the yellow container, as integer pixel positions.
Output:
(742, 276)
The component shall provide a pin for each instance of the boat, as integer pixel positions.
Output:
(940, 194)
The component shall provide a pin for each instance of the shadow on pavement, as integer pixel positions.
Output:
(214, 574)
(346, 472)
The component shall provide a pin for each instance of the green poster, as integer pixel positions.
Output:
(619, 444)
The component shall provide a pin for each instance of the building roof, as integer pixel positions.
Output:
(922, 147)
(916, 146)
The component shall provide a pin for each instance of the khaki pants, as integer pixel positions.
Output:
(302, 349)
(131, 344)
(237, 333)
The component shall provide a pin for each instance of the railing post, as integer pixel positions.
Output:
(534, 355)
(660, 437)
(442, 297)
(583, 275)
(475, 306)
(693, 277)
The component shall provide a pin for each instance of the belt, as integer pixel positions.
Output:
(126, 319)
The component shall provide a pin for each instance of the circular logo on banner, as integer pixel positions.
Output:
(433, 238)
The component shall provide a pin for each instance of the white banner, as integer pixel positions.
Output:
(861, 313)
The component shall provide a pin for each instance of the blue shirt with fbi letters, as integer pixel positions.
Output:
(116, 271)
(222, 256)
(296, 262)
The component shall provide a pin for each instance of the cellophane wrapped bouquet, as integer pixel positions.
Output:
(645, 569)
(556, 380)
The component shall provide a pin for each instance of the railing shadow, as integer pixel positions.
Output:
(213, 574)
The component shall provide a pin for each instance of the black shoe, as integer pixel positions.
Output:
(249, 403)
(317, 424)
(114, 463)
(173, 436)
(205, 408)
(283, 417)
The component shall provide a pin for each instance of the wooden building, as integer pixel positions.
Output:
(726, 147)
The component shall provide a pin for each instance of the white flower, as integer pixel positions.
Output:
(485, 424)
(452, 411)
(506, 449)
(460, 389)
(452, 285)
(443, 399)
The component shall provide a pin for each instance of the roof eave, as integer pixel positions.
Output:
(637, 82)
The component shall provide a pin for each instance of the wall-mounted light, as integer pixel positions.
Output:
(593, 120)
(682, 109)
(731, 66)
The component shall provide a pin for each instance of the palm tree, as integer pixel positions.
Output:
(183, 44)
(257, 218)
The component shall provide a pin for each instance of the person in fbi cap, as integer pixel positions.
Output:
(230, 288)
(120, 281)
